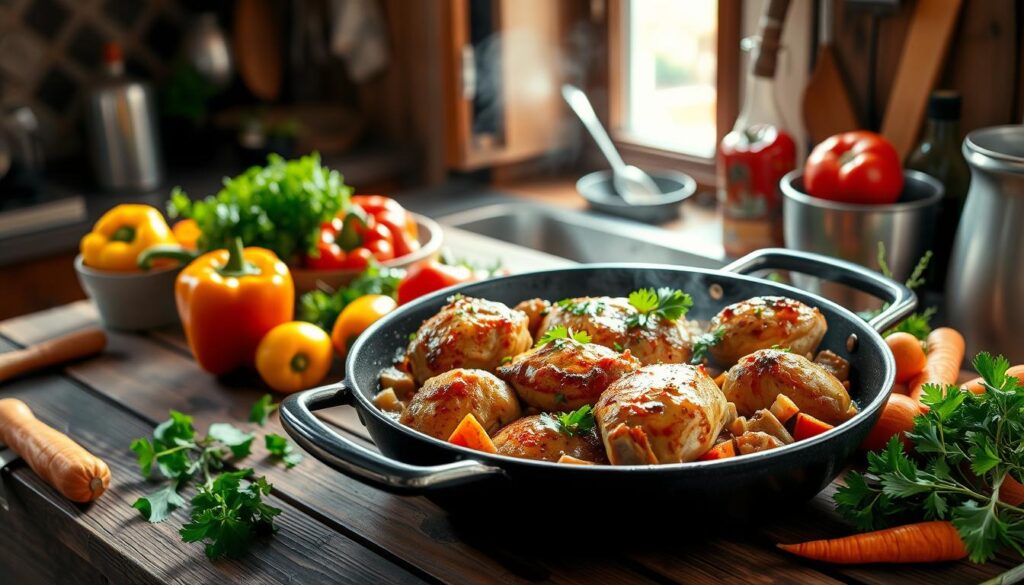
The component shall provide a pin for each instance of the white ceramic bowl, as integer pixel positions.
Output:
(131, 301)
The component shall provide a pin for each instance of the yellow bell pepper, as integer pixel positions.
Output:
(356, 317)
(294, 356)
(118, 238)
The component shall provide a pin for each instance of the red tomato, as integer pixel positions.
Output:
(855, 167)
(429, 277)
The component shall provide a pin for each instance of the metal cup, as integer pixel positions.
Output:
(852, 232)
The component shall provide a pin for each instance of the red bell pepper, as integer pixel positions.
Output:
(351, 242)
(390, 213)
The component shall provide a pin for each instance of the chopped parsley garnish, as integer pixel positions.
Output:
(576, 422)
(618, 347)
(561, 332)
(262, 409)
(704, 343)
(506, 360)
(655, 305)
(588, 307)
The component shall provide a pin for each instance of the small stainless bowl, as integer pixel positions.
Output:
(131, 301)
(676, 187)
(852, 232)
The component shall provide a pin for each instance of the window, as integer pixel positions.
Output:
(673, 79)
(670, 66)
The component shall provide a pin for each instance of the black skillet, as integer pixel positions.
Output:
(463, 480)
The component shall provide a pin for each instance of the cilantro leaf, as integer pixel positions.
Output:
(576, 422)
(561, 332)
(704, 342)
(282, 449)
(157, 506)
(653, 305)
(146, 455)
(262, 409)
(235, 439)
(992, 369)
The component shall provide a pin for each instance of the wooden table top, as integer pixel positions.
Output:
(333, 529)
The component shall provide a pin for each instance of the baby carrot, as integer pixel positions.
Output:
(945, 355)
(924, 542)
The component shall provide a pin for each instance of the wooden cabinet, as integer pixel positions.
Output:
(502, 76)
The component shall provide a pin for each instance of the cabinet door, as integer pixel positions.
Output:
(502, 80)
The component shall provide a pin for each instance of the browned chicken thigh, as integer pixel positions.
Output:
(468, 333)
(565, 374)
(606, 320)
(444, 400)
(535, 309)
(764, 322)
(543, 437)
(668, 413)
(760, 377)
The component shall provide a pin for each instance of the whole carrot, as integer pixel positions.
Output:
(945, 355)
(924, 542)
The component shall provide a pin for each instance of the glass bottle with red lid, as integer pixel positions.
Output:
(754, 156)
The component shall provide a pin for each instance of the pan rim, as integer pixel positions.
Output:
(739, 463)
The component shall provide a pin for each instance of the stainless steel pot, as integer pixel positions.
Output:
(985, 287)
(852, 232)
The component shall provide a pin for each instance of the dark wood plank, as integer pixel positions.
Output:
(113, 538)
(149, 379)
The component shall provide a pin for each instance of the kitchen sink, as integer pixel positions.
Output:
(578, 236)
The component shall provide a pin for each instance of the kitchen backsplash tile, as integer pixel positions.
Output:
(51, 49)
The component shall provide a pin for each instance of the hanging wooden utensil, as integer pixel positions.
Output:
(258, 48)
(827, 109)
(924, 52)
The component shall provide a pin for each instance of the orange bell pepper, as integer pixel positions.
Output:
(228, 300)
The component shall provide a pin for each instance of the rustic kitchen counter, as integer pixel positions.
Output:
(334, 529)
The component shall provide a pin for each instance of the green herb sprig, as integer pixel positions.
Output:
(917, 324)
(576, 422)
(703, 344)
(228, 512)
(262, 409)
(562, 333)
(590, 307)
(655, 305)
(965, 447)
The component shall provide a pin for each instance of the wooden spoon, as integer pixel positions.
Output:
(827, 107)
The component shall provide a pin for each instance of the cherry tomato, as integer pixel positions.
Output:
(855, 167)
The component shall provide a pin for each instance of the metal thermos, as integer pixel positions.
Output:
(985, 287)
(124, 139)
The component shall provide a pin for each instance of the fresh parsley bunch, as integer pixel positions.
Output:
(965, 447)
(279, 206)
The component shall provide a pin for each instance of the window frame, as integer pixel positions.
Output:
(632, 147)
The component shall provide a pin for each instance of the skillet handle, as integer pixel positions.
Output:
(361, 463)
(900, 300)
